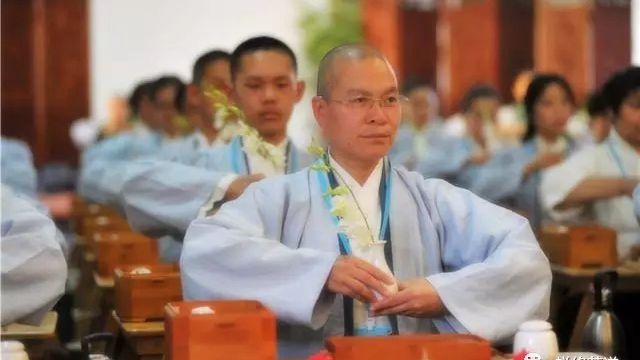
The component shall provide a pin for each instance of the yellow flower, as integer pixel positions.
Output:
(320, 166)
(338, 190)
(315, 149)
(340, 206)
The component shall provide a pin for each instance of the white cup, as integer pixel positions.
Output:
(536, 337)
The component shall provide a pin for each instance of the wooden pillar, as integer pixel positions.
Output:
(406, 32)
(583, 40)
(382, 28)
(45, 74)
(481, 41)
(418, 42)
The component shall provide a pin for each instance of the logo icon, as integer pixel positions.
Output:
(532, 356)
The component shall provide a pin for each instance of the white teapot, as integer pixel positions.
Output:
(537, 339)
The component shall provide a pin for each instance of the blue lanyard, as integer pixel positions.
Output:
(240, 162)
(616, 157)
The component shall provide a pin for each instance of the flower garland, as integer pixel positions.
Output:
(230, 120)
(351, 219)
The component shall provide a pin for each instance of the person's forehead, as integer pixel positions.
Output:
(266, 63)
(217, 67)
(368, 74)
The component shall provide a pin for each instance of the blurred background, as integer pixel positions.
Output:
(64, 60)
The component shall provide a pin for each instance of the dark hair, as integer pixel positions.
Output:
(536, 88)
(597, 104)
(477, 91)
(621, 85)
(260, 43)
(165, 81)
(140, 91)
(205, 59)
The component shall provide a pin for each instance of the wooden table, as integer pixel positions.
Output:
(142, 340)
(578, 281)
(36, 339)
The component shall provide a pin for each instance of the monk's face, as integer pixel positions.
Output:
(217, 74)
(165, 107)
(266, 89)
(360, 115)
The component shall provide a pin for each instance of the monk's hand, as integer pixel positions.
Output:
(416, 298)
(237, 186)
(546, 160)
(358, 279)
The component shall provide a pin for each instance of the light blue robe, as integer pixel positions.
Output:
(277, 244)
(501, 180)
(17, 167)
(162, 198)
(230, 158)
(106, 165)
(102, 164)
(34, 270)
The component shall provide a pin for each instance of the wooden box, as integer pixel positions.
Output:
(580, 246)
(124, 248)
(91, 224)
(142, 297)
(409, 347)
(100, 235)
(240, 330)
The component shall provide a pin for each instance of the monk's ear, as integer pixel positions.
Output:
(300, 88)
(319, 106)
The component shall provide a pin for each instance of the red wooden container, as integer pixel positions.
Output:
(124, 248)
(409, 347)
(239, 330)
(142, 297)
(580, 246)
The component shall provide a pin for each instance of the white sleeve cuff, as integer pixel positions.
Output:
(218, 194)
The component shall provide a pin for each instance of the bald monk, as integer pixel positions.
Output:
(354, 245)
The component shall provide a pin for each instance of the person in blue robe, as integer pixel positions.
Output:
(164, 197)
(34, 270)
(512, 177)
(354, 231)
(17, 166)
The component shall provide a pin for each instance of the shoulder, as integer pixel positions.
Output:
(429, 188)
(289, 183)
